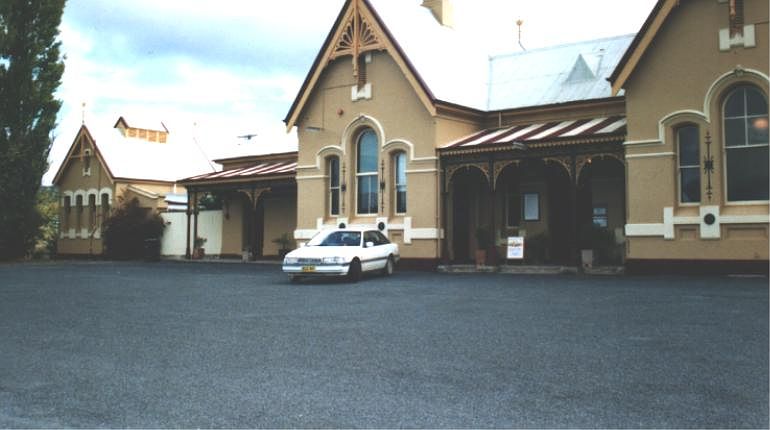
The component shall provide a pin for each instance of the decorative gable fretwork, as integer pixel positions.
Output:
(358, 36)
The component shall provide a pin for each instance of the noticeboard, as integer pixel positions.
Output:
(515, 247)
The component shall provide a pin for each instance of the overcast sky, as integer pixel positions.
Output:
(233, 67)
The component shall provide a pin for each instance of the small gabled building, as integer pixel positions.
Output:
(129, 160)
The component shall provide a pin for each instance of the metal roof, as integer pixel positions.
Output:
(260, 170)
(563, 131)
(558, 74)
(457, 71)
(133, 158)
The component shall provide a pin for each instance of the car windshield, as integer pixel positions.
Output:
(337, 238)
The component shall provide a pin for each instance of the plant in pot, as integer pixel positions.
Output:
(284, 243)
(199, 252)
(483, 242)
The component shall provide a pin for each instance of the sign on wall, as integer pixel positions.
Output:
(515, 247)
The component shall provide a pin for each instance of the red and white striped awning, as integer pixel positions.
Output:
(262, 170)
(580, 129)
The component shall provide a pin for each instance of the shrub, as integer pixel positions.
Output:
(126, 230)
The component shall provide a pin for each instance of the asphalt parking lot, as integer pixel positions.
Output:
(233, 345)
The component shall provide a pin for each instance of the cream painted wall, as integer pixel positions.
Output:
(683, 78)
(328, 126)
(280, 217)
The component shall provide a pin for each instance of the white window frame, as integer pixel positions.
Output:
(680, 167)
(725, 148)
(396, 156)
(360, 176)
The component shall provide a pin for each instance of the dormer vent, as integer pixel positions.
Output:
(150, 133)
(442, 10)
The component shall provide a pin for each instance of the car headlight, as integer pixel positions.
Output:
(290, 260)
(333, 260)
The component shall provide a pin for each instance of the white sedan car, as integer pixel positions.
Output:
(342, 252)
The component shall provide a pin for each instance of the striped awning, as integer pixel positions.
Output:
(573, 130)
(264, 170)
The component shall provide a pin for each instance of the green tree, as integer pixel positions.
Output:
(30, 72)
(48, 208)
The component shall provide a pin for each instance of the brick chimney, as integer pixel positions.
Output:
(442, 10)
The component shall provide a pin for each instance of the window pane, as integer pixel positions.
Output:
(367, 194)
(747, 174)
(735, 132)
(335, 202)
(735, 105)
(367, 152)
(334, 171)
(531, 207)
(690, 183)
(758, 131)
(401, 199)
(688, 146)
(755, 102)
(400, 169)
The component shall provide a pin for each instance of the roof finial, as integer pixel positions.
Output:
(519, 23)
(83, 113)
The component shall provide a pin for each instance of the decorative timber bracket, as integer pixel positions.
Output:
(358, 36)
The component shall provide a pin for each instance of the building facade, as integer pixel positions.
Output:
(443, 150)
(696, 88)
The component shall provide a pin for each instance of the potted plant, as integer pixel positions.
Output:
(199, 251)
(483, 242)
(284, 243)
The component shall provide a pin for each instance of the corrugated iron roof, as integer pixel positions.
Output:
(256, 171)
(543, 132)
(559, 74)
(133, 158)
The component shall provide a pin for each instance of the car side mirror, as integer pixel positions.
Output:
(369, 244)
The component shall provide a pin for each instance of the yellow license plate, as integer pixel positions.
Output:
(308, 268)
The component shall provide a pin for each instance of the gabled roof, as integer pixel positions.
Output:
(641, 42)
(435, 54)
(444, 68)
(136, 159)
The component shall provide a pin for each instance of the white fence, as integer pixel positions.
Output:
(175, 236)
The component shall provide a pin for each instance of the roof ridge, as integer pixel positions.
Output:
(563, 45)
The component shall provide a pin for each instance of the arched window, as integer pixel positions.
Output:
(399, 180)
(105, 209)
(67, 210)
(366, 172)
(334, 185)
(91, 212)
(78, 214)
(745, 120)
(687, 138)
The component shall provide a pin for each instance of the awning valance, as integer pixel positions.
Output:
(564, 131)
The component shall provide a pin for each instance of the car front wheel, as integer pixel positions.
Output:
(354, 271)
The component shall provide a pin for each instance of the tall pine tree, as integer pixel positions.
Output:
(30, 72)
